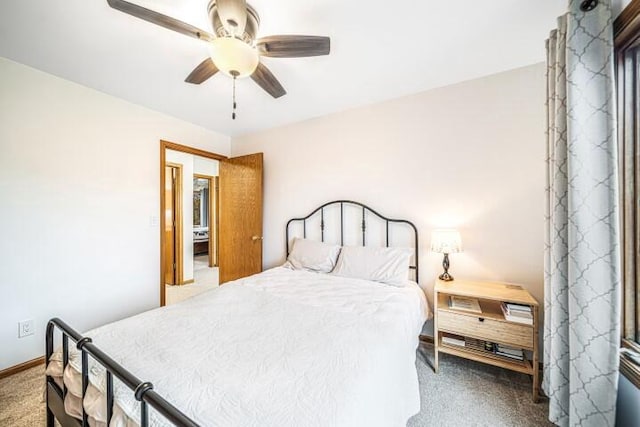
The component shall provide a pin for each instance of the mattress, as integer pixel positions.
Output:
(281, 348)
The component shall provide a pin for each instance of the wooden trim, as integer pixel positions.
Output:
(216, 211)
(195, 151)
(626, 40)
(211, 217)
(187, 282)
(627, 368)
(626, 24)
(167, 145)
(630, 371)
(21, 367)
(162, 221)
(631, 345)
(179, 218)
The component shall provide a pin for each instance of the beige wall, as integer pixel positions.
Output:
(79, 184)
(469, 156)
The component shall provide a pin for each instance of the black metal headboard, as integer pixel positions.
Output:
(363, 226)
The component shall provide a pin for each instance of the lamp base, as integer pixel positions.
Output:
(445, 265)
(445, 277)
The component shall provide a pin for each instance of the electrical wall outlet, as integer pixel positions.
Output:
(26, 328)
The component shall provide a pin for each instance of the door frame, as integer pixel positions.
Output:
(178, 250)
(167, 145)
(212, 218)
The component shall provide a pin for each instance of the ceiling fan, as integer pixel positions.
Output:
(233, 47)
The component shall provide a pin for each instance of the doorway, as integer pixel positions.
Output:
(190, 225)
(205, 231)
(205, 218)
(210, 222)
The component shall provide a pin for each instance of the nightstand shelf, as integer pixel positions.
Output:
(490, 325)
(487, 357)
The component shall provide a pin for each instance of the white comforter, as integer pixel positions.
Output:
(281, 348)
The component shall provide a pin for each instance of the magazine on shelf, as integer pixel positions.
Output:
(510, 350)
(517, 310)
(455, 340)
(510, 356)
(495, 348)
(520, 314)
(513, 307)
(516, 316)
(464, 304)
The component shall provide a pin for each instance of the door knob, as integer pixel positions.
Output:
(254, 238)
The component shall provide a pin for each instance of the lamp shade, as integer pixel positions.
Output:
(233, 56)
(446, 241)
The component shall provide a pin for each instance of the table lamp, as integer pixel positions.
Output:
(446, 241)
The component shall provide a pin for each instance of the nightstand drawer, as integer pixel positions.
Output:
(487, 329)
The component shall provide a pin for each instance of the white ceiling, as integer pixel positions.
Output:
(379, 50)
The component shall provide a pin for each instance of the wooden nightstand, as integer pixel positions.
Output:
(488, 326)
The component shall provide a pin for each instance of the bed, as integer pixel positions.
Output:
(286, 347)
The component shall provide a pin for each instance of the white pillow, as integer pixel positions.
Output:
(313, 255)
(379, 264)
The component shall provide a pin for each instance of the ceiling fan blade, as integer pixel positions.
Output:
(233, 14)
(267, 81)
(202, 72)
(291, 46)
(160, 19)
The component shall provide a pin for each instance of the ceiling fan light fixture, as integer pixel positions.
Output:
(234, 57)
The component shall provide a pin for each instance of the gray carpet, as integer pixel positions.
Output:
(468, 393)
(464, 393)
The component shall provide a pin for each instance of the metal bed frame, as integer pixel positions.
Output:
(143, 390)
(363, 226)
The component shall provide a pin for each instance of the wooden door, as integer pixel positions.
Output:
(170, 225)
(215, 223)
(240, 231)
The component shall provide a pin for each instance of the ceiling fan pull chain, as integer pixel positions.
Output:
(233, 114)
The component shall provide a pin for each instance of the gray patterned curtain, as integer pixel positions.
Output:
(582, 267)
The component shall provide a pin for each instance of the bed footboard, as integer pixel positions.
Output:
(55, 407)
(143, 391)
